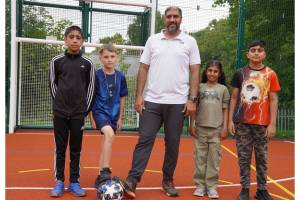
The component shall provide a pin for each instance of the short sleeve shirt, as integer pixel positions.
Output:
(213, 99)
(253, 106)
(169, 71)
(109, 90)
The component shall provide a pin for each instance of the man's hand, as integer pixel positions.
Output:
(189, 108)
(139, 104)
(270, 131)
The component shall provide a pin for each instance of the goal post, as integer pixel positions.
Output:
(33, 104)
(152, 5)
(13, 71)
(99, 22)
(119, 3)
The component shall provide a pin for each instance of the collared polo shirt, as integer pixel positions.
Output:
(169, 61)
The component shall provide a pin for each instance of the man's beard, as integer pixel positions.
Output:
(173, 28)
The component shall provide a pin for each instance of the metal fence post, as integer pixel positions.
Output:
(240, 34)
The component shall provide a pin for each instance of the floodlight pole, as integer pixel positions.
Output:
(153, 16)
(13, 71)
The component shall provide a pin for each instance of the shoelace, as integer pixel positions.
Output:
(58, 185)
(76, 186)
(213, 193)
(170, 183)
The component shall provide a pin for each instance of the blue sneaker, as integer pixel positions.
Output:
(58, 189)
(76, 190)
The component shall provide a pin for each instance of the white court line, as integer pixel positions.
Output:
(98, 135)
(46, 133)
(84, 135)
(289, 141)
(148, 188)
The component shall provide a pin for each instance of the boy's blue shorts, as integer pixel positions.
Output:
(103, 120)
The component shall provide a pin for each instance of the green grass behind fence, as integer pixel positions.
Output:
(288, 134)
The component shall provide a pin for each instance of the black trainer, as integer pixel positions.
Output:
(244, 194)
(104, 175)
(169, 188)
(263, 195)
(130, 188)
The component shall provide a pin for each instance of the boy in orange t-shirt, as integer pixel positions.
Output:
(252, 116)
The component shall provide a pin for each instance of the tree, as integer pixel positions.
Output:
(37, 23)
(7, 60)
(274, 22)
(159, 25)
(134, 29)
(267, 20)
(217, 41)
(58, 29)
(117, 39)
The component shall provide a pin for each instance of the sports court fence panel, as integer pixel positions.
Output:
(34, 100)
(41, 19)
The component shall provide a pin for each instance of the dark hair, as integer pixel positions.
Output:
(254, 43)
(173, 8)
(73, 28)
(222, 79)
(108, 47)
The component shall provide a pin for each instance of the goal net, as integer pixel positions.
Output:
(34, 109)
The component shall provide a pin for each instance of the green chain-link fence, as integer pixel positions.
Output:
(222, 29)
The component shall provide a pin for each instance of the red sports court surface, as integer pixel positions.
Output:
(29, 168)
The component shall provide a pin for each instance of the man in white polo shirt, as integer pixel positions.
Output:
(171, 63)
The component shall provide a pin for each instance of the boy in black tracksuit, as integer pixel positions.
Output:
(72, 79)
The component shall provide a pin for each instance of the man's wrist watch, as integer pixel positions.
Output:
(194, 99)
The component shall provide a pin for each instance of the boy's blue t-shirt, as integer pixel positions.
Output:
(111, 86)
(109, 90)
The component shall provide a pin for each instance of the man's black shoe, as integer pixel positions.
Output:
(130, 188)
(244, 194)
(169, 188)
(263, 195)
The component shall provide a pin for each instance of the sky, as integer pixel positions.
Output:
(196, 15)
(193, 19)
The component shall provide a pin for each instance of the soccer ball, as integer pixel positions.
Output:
(110, 190)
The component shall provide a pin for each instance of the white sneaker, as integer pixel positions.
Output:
(200, 192)
(213, 194)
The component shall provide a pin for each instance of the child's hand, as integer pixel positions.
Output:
(93, 124)
(231, 128)
(119, 124)
(224, 133)
(192, 131)
(270, 131)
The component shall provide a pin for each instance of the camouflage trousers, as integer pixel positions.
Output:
(250, 136)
